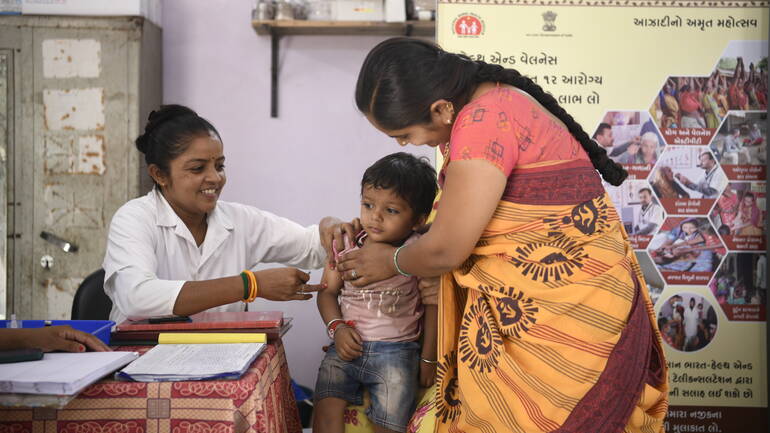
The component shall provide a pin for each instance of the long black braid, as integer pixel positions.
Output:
(402, 77)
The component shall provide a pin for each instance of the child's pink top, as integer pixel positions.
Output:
(388, 310)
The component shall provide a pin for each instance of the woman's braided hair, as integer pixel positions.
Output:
(402, 77)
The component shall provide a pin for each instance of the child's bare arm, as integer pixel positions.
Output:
(429, 343)
(347, 341)
(327, 302)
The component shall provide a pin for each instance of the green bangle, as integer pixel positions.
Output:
(245, 279)
(395, 262)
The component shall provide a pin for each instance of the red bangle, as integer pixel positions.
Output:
(332, 322)
(333, 326)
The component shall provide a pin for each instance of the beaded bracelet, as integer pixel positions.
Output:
(395, 262)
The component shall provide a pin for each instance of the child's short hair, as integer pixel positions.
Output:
(413, 179)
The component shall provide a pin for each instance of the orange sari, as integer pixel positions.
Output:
(548, 326)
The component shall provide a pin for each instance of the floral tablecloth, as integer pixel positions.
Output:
(260, 401)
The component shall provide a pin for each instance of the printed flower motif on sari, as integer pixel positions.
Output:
(480, 340)
(448, 398)
(515, 312)
(591, 217)
(549, 261)
(584, 217)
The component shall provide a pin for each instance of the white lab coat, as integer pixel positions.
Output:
(652, 214)
(690, 321)
(151, 252)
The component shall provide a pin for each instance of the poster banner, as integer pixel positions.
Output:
(676, 92)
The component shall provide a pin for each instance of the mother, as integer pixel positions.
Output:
(545, 319)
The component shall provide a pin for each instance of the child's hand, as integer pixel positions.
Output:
(348, 343)
(427, 374)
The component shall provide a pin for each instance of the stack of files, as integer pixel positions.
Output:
(214, 357)
(270, 323)
(61, 373)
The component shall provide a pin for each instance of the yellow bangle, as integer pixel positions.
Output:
(256, 285)
(253, 286)
(252, 283)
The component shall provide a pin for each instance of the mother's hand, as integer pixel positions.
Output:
(372, 262)
(333, 232)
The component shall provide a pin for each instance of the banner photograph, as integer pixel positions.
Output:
(675, 92)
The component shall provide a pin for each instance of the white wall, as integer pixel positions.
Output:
(303, 165)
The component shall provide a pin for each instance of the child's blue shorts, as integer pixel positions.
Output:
(388, 370)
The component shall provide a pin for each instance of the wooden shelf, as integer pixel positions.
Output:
(302, 27)
(279, 28)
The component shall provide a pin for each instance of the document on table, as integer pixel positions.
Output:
(178, 362)
(60, 373)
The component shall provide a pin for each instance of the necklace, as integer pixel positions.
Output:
(444, 155)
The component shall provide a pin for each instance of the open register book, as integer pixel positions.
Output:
(179, 362)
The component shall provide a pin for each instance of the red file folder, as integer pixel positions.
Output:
(212, 320)
(142, 333)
